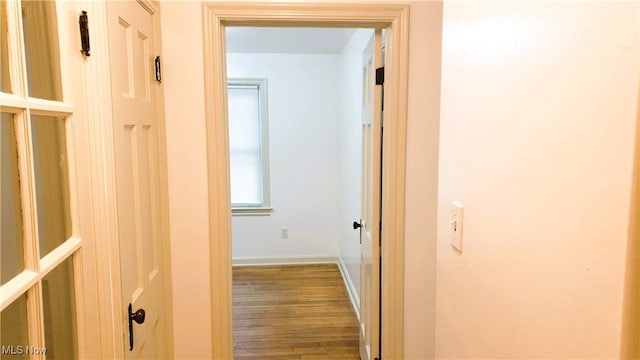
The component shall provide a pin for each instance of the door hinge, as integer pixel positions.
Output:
(84, 33)
(158, 70)
(380, 81)
(380, 76)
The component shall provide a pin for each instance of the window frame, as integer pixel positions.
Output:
(264, 208)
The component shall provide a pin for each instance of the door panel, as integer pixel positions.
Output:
(136, 149)
(370, 208)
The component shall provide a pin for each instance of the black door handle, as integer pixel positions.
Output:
(138, 317)
(358, 225)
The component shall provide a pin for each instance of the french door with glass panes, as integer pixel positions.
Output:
(45, 214)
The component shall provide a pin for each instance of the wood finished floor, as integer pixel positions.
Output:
(293, 312)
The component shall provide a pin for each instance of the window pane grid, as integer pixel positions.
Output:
(26, 280)
(32, 96)
(34, 239)
(24, 134)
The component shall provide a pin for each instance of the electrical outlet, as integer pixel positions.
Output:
(456, 226)
(284, 233)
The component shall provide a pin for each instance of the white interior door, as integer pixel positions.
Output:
(370, 213)
(45, 220)
(131, 43)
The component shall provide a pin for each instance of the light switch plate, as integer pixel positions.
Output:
(456, 225)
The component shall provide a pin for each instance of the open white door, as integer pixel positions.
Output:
(370, 208)
(138, 176)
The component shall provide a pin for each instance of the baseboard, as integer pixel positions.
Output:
(253, 261)
(351, 290)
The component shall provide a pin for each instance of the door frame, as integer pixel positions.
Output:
(395, 19)
(97, 74)
(630, 344)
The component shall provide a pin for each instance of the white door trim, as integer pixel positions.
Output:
(106, 255)
(97, 76)
(395, 19)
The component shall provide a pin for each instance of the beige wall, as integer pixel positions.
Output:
(304, 181)
(422, 179)
(184, 105)
(186, 155)
(537, 141)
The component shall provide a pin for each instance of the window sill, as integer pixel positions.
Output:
(257, 211)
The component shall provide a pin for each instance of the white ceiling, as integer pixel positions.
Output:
(287, 40)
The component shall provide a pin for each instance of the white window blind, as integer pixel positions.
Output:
(248, 144)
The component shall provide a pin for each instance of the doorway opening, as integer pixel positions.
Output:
(392, 18)
(300, 101)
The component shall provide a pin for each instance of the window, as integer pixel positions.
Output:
(249, 146)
